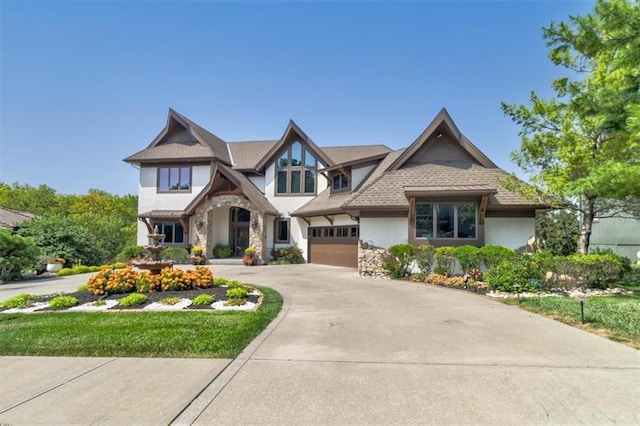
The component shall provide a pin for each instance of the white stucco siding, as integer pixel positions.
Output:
(509, 232)
(286, 205)
(149, 198)
(384, 232)
(359, 174)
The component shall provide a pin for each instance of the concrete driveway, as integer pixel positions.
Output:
(353, 350)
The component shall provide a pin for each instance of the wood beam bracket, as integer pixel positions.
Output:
(355, 219)
(483, 209)
(306, 220)
(329, 219)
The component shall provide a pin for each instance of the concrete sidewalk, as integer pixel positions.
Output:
(349, 350)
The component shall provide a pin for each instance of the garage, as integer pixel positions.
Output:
(334, 245)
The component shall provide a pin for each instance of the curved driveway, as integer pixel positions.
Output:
(351, 350)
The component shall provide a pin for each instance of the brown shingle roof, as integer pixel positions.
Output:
(11, 218)
(345, 154)
(173, 151)
(389, 190)
(245, 155)
(324, 203)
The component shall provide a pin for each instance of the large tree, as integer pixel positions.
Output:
(582, 147)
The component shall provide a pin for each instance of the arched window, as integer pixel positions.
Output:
(296, 171)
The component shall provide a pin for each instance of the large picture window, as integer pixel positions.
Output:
(173, 232)
(446, 220)
(296, 171)
(174, 178)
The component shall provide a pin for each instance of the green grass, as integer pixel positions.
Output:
(190, 334)
(614, 317)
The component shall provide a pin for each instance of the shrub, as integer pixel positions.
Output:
(148, 283)
(424, 257)
(20, 301)
(290, 254)
(237, 293)
(119, 265)
(220, 281)
(445, 260)
(63, 302)
(177, 254)
(235, 302)
(133, 299)
(17, 254)
(469, 257)
(624, 261)
(78, 269)
(595, 270)
(171, 300)
(398, 260)
(203, 299)
(196, 250)
(130, 252)
(222, 251)
(110, 281)
(522, 271)
(82, 288)
(494, 255)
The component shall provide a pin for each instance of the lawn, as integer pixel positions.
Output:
(614, 317)
(191, 334)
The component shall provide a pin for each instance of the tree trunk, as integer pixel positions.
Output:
(588, 214)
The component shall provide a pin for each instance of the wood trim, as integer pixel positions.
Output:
(185, 225)
(306, 220)
(329, 219)
(515, 213)
(483, 209)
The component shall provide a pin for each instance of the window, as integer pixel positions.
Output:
(296, 171)
(446, 220)
(282, 231)
(340, 181)
(174, 178)
(173, 232)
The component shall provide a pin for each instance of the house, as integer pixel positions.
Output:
(440, 190)
(11, 219)
(619, 234)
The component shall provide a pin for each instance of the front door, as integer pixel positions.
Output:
(239, 230)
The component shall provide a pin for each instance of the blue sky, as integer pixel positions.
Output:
(85, 84)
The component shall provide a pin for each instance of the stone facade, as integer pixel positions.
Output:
(204, 216)
(370, 260)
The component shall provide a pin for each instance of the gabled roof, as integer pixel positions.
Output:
(197, 144)
(243, 185)
(441, 124)
(289, 134)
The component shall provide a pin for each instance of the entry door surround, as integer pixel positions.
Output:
(239, 238)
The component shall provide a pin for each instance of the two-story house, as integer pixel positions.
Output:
(440, 190)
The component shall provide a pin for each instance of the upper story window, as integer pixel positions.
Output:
(446, 220)
(296, 171)
(340, 182)
(174, 179)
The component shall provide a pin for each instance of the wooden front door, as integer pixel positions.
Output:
(239, 230)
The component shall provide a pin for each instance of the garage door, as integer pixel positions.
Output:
(334, 245)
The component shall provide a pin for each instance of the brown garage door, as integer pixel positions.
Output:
(334, 245)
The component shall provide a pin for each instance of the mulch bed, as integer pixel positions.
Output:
(219, 293)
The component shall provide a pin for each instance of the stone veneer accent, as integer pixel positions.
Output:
(204, 214)
(370, 260)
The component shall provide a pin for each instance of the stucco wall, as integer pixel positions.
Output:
(149, 199)
(509, 232)
(621, 235)
(358, 175)
(384, 232)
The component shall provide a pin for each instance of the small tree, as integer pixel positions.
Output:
(558, 232)
(17, 254)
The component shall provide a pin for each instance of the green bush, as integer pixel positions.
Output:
(130, 252)
(203, 299)
(82, 288)
(424, 257)
(237, 293)
(494, 255)
(398, 260)
(20, 301)
(222, 251)
(290, 254)
(236, 302)
(63, 302)
(469, 257)
(445, 260)
(17, 254)
(177, 254)
(119, 265)
(78, 269)
(220, 281)
(624, 261)
(596, 270)
(171, 300)
(522, 271)
(133, 299)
